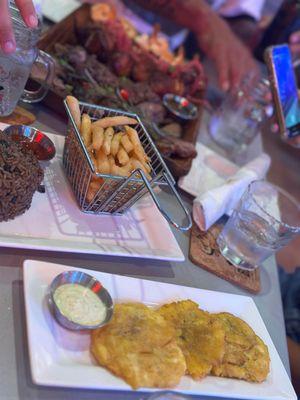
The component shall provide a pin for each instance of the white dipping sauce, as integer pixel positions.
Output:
(79, 304)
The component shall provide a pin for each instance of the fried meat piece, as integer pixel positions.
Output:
(246, 356)
(139, 346)
(200, 337)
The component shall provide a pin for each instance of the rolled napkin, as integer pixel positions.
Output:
(210, 206)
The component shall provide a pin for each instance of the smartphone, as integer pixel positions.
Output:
(284, 89)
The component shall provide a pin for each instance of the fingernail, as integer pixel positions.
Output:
(32, 21)
(9, 46)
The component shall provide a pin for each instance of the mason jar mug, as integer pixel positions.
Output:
(15, 68)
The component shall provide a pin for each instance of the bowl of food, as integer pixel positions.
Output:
(79, 301)
(33, 139)
(20, 176)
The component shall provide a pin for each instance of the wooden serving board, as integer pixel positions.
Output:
(19, 116)
(64, 33)
(205, 253)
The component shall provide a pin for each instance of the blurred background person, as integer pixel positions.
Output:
(212, 35)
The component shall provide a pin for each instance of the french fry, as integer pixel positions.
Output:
(97, 137)
(136, 164)
(115, 121)
(121, 171)
(138, 150)
(97, 179)
(95, 186)
(137, 146)
(90, 194)
(112, 162)
(139, 154)
(133, 136)
(116, 170)
(115, 143)
(122, 156)
(126, 143)
(75, 110)
(106, 147)
(86, 129)
(108, 135)
(94, 161)
(102, 162)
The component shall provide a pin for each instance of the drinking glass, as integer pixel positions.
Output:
(236, 122)
(15, 68)
(265, 220)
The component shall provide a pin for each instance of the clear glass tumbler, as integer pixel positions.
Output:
(15, 68)
(236, 122)
(265, 220)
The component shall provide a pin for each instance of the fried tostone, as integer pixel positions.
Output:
(246, 356)
(139, 346)
(200, 337)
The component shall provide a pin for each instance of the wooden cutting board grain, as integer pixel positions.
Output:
(205, 253)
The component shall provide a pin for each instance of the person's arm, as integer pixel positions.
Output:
(233, 60)
(26, 7)
(187, 13)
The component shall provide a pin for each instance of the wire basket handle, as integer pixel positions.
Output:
(163, 212)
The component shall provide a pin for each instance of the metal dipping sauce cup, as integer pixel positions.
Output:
(87, 281)
(180, 106)
(37, 141)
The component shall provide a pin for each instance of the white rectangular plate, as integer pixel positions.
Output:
(61, 358)
(54, 222)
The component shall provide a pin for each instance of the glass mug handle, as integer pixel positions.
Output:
(34, 96)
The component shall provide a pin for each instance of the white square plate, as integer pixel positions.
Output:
(54, 222)
(61, 358)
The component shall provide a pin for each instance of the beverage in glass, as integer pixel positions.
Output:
(236, 122)
(265, 220)
(15, 68)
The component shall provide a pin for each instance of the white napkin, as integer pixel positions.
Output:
(211, 205)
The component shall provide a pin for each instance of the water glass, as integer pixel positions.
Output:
(236, 122)
(15, 68)
(265, 220)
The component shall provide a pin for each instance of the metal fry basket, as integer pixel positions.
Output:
(99, 193)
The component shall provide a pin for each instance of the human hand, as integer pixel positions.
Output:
(27, 10)
(294, 42)
(233, 60)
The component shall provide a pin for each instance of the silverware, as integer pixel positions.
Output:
(38, 141)
(87, 281)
